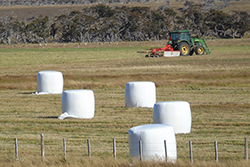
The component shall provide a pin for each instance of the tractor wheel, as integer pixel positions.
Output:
(199, 50)
(184, 48)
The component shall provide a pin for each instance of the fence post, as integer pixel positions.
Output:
(16, 148)
(190, 151)
(246, 149)
(64, 148)
(140, 150)
(166, 152)
(88, 142)
(114, 148)
(216, 150)
(42, 146)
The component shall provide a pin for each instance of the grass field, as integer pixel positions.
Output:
(216, 86)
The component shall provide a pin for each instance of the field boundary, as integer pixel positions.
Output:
(140, 149)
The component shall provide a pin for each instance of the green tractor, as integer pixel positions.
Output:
(181, 40)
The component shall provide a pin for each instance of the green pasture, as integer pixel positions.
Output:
(217, 86)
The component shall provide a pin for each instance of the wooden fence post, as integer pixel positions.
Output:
(114, 148)
(16, 148)
(166, 151)
(88, 142)
(190, 151)
(42, 146)
(216, 150)
(140, 150)
(246, 149)
(64, 148)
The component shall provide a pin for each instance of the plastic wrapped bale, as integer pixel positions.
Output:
(152, 137)
(49, 82)
(174, 113)
(140, 94)
(78, 104)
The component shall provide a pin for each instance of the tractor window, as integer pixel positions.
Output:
(175, 37)
(182, 36)
(187, 37)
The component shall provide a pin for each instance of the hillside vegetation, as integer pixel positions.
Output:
(216, 86)
(107, 23)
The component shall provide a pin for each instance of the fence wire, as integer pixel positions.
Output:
(230, 149)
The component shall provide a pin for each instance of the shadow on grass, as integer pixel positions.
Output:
(27, 93)
(49, 117)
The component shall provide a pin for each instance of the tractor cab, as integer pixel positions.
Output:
(179, 36)
(182, 41)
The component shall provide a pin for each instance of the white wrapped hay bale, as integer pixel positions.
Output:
(152, 137)
(174, 113)
(140, 94)
(49, 82)
(78, 104)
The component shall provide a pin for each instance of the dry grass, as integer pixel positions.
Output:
(216, 86)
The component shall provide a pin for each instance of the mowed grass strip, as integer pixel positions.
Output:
(216, 86)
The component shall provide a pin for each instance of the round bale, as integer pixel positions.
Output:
(140, 94)
(78, 104)
(49, 82)
(174, 113)
(152, 137)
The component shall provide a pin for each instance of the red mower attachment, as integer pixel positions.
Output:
(166, 51)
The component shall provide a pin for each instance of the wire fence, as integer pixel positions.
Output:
(231, 149)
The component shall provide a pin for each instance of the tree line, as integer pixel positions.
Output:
(69, 2)
(102, 23)
(85, 2)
